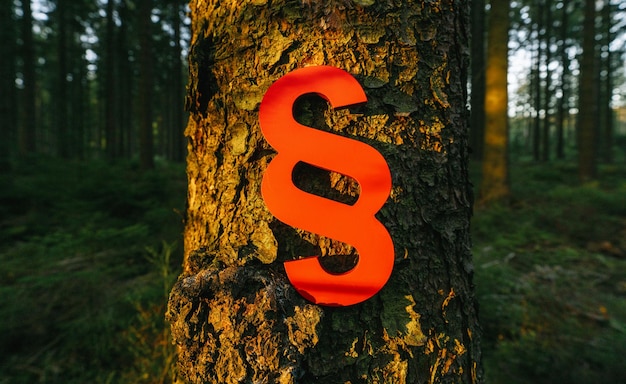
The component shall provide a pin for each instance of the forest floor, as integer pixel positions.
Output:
(88, 253)
(550, 274)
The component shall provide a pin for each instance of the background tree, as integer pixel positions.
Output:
(605, 72)
(146, 139)
(111, 123)
(495, 172)
(75, 69)
(477, 123)
(8, 105)
(28, 125)
(563, 100)
(587, 106)
(234, 315)
(551, 34)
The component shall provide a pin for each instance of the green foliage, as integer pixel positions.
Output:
(550, 279)
(82, 270)
(153, 354)
(88, 255)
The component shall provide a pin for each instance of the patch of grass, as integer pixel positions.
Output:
(77, 242)
(550, 278)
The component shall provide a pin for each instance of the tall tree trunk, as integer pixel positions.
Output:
(495, 175)
(587, 100)
(533, 136)
(477, 123)
(235, 317)
(62, 123)
(28, 126)
(563, 103)
(146, 140)
(177, 96)
(537, 90)
(607, 22)
(112, 137)
(8, 95)
(547, 91)
(126, 81)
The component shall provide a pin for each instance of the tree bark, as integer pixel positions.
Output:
(607, 110)
(28, 126)
(176, 142)
(126, 84)
(477, 123)
(563, 103)
(538, 87)
(111, 122)
(495, 171)
(146, 139)
(63, 127)
(235, 317)
(547, 91)
(8, 105)
(587, 99)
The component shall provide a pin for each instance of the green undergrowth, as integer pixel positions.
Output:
(550, 272)
(85, 252)
(89, 251)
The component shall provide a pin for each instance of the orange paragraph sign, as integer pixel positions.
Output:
(352, 224)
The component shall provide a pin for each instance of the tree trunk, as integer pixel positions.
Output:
(547, 91)
(63, 130)
(176, 144)
(126, 84)
(234, 315)
(8, 105)
(477, 123)
(607, 110)
(537, 90)
(587, 102)
(111, 130)
(28, 126)
(495, 175)
(563, 103)
(146, 139)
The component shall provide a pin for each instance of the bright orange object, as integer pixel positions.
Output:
(352, 224)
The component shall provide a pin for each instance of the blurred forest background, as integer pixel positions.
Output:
(93, 191)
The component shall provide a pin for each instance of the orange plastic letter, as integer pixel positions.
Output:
(352, 224)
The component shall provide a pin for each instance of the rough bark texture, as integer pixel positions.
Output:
(235, 318)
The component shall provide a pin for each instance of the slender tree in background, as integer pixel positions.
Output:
(177, 144)
(77, 94)
(563, 102)
(540, 33)
(587, 99)
(126, 81)
(111, 123)
(606, 68)
(146, 144)
(547, 90)
(234, 316)
(8, 95)
(170, 86)
(477, 123)
(495, 173)
(62, 91)
(28, 124)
